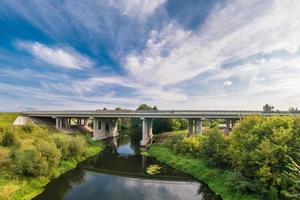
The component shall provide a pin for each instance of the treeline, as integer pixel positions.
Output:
(262, 155)
(134, 126)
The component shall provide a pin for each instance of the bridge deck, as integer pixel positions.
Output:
(208, 114)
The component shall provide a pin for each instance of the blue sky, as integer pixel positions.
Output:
(175, 54)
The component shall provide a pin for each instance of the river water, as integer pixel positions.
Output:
(121, 172)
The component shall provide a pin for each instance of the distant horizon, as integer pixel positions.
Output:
(195, 55)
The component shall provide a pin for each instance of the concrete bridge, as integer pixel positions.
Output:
(105, 122)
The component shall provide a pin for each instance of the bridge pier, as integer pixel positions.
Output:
(147, 132)
(191, 127)
(198, 126)
(57, 122)
(195, 126)
(100, 130)
(228, 125)
(113, 128)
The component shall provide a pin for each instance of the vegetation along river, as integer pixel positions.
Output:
(121, 172)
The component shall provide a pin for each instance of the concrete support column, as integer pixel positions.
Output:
(113, 127)
(198, 126)
(227, 125)
(95, 128)
(68, 122)
(60, 122)
(150, 128)
(191, 126)
(145, 133)
(57, 123)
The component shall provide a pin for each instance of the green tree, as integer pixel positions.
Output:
(214, 148)
(268, 108)
(259, 148)
(293, 110)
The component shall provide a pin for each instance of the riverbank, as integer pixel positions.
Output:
(32, 148)
(216, 179)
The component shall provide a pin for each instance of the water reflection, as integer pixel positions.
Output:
(120, 172)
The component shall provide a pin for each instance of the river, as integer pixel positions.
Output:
(121, 172)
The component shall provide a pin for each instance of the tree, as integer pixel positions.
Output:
(293, 110)
(145, 107)
(260, 147)
(268, 108)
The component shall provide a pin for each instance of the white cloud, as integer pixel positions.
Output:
(175, 54)
(137, 8)
(227, 83)
(234, 30)
(64, 57)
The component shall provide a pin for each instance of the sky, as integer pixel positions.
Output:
(175, 54)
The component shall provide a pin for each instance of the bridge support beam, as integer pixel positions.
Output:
(147, 132)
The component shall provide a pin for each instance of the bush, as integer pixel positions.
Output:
(238, 183)
(188, 145)
(49, 151)
(39, 161)
(5, 160)
(63, 144)
(27, 128)
(77, 146)
(214, 148)
(30, 162)
(9, 139)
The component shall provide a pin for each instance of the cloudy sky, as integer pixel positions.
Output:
(191, 54)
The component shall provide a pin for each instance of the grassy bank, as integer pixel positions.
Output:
(49, 152)
(215, 178)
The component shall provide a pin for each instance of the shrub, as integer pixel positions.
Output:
(9, 139)
(39, 161)
(238, 183)
(188, 145)
(63, 142)
(5, 160)
(77, 146)
(27, 128)
(30, 162)
(291, 181)
(49, 151)
(214, 148)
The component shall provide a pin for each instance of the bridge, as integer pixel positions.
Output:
(105, 122)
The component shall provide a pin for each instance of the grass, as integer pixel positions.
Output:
(215, 178)
(17, 187)
(167, 135)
